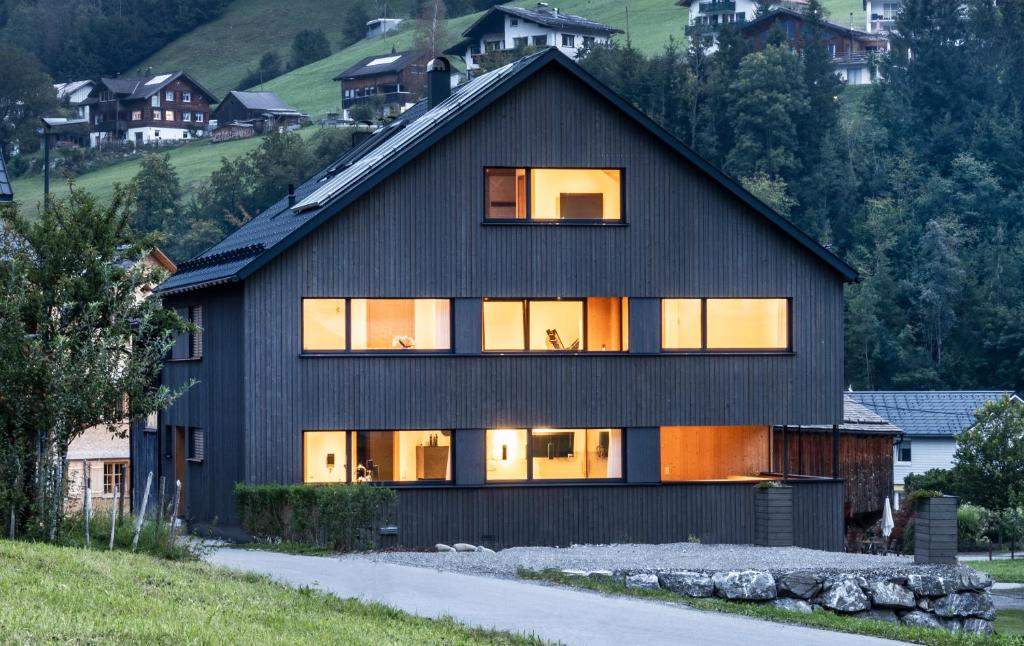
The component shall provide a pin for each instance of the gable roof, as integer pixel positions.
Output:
(364, 166)
(6, 192)
(858, 420)
(261, 101)
(143, 87)
(552, 18)
(928, 413)
(778, 12)
(381, 64)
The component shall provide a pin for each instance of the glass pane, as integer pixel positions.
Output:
(506, 454)
(605, 330)
(680, 324)
(323, 324)
(575, 194)
(559, 454)
(505, 193)
(401, 456)
(556, 325)
(714, 452)
(401, 324)
(748, 323)
(503, 325)
(324, 458)
(604, 452)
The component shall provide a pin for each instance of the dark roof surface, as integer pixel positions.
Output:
(143, 87)
(832, 26)
(385, 64)
(935, 413)
(6, 192)
(548, 18)
(263, 101)
(391, 147)
(860, 420)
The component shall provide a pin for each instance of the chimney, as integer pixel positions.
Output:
(291, 195)
(439, 81)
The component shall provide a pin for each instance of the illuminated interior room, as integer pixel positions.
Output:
(553, 194)
(554, 454)
(595, 324)
(715, 453)
(325, 457)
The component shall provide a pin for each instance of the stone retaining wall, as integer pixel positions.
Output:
(955, 598)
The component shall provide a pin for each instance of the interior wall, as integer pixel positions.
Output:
(713, 452)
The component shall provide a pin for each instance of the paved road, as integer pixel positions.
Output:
(550, 612)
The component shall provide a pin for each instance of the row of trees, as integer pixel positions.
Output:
(79, 345)
(915, 180)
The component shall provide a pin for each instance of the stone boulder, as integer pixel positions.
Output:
(931, 585)
(879, 614)
(966, 604)
(643, 581)
(749, 585)
(689, 584)
(952, 625)
(844, 594)
(802, 585)
(971, 580)
(464, 547)
(977, 626)
(920, 619)
(441, 547)
(484, 550)
(792, 605)
(890, 595)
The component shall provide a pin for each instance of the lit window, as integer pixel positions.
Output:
(714, 452)
(401, 456)
(156, 115)
(324, 456)
(555, 194)
(553, 454)
(323, 324)
(903, 452)
(747, 323)
(168, 115)
(136, 115)
(680, 323)
(401, 324)
(556, 324)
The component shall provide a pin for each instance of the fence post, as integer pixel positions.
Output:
(113, 518)
(86, 501)
(141, 517)
(174, 514)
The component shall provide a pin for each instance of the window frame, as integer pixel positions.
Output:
(704, 349)
(119, 470)
(530, 481)
(348, 351)
(526, 326)
(191, 454)
(349, 434)
(559, 222)
(899, 451)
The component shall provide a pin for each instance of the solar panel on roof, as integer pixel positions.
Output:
(157, 80)
(383, 61)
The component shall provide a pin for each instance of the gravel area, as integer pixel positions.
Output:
(638, 557)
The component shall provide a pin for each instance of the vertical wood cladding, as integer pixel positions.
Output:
(420, 233)
(561, 515)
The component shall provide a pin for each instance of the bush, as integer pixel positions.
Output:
(343, 517)
(970, 523)
(933, 479)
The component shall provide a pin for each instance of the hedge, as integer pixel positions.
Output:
(344, 517)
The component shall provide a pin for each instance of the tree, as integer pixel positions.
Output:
(431, 28)
(269, 67)
(771, 191)
(354, 28)
(939, 279)
(309, 46)
(989, 468)
(90, 348)
(26, 93)
(157, 195)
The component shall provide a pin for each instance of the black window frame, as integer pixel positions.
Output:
(348, 351)
(349, 434)
(530, 481)
(528, 218)
(623, 320)
(190, 347)
(570, 39)
(704, 349)
(195, 446)
(904, 446)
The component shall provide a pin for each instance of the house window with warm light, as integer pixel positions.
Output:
(376, 324)
(393, 456)
(553, 195)
(520, 454)
(595, 324)
(325, 457)
(725, 324)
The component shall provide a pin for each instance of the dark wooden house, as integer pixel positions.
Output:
(393, 80)
(865, 443)
(584, 334)
(264, 110)
(149, 109)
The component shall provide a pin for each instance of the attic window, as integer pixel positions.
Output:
(553, 194)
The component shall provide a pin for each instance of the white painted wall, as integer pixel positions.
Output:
(527, 29)
(149, 134)
(925, 453)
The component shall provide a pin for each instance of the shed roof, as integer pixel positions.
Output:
(859, 420)
(381, 64)
(263, 102)
(928, 413)
(6, 191)
(364, 166)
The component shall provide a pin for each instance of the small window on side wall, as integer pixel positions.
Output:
(553, 194)
(323, 324)
(196, 445)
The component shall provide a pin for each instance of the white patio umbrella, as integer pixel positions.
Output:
(887, 523)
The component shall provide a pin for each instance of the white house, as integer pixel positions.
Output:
(880, 15)
(76, 95)
(380, 26)
(706, 18)
(506, 29)
(930, 421)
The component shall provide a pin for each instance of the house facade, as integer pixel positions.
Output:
(394, 81)
(930, 422)
(706, 19)
(506, 29)
(264, 111)
(148, 109)
(584, 336)
(880, 15)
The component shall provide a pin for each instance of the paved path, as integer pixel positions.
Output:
(553, 613)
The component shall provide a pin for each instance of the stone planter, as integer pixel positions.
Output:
(773, 516)
(935, 530)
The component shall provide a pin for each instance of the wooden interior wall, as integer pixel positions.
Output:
(713, 452)
(865, 464)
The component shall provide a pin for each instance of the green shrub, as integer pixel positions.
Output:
(970, 525)
(343, 517)
(153, 539)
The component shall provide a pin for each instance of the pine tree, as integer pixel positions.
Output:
(158, 196)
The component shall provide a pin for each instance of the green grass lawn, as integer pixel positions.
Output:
(1002, 570)
(69, 595)
(1010, 622)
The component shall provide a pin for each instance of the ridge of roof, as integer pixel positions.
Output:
(797, 14)
(554, 19)
(364, 166)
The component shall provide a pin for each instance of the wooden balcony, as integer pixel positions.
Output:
(718, 6)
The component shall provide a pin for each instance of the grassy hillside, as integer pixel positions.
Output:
(194, 162)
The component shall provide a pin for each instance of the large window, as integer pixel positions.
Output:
(553, 194)
(725, 324)
(377, 456)
(553, 454)
(715, 452)
(376, 324)
(569, 325)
